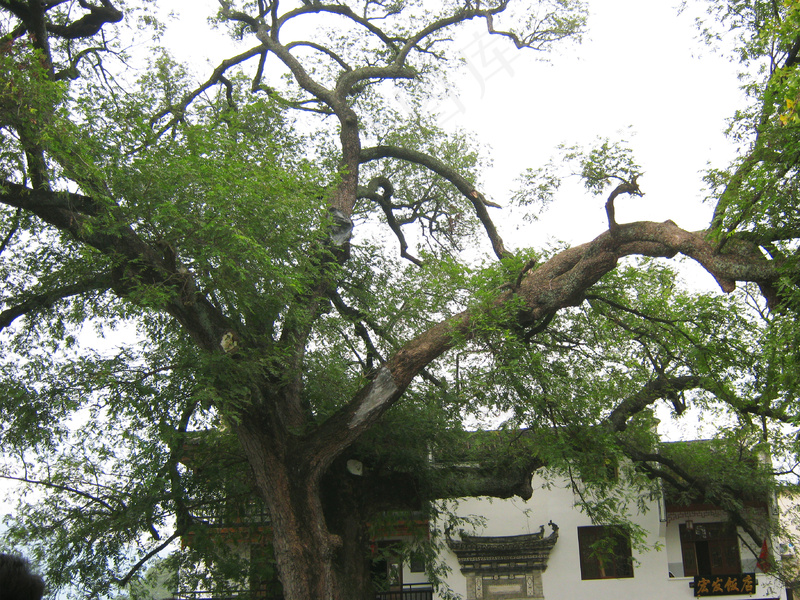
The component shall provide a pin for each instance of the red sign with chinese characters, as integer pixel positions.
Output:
(724, 585)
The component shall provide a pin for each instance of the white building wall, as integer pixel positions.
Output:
(562, 579)
(788, 547)
(410, 578)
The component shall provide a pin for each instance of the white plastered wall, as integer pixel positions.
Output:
(555, 501)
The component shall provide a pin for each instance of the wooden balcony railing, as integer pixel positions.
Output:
(413, 591)
(416, 591)
(221, 517)
(227, 596)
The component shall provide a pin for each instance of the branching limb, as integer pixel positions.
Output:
(372, 352)
(758, 405)
(184, 519)
(71, 71)
(142, 561)
(88, 25)
(183, 516)
(496, 481)
(66, 488)
(138, 263)
(537, 39)
(628, 309)
(530, 264)
(660, 387)
(41, 301)
(538, 327)
(14, 228)
(463, 15)
(236, 15)
(792, 55)
(33, 200)
(395, 69)
(217, 77)
(293, 411)
(320, 48)
(384, 200)
(344, 11)
(685, 481)
(367, 364)
(559, 283)
(641, 332)
(355, 315)
(626, 187)
(448, 173)
(270, 43)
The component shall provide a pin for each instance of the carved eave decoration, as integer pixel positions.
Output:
(504, 554)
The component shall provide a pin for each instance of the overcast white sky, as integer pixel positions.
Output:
(641, 73)
(640, 66)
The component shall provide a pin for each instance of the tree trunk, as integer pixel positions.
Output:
(347, 517)
(319, 529)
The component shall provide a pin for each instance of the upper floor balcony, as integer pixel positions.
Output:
(413, 591)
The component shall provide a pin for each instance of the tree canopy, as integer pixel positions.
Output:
(207, 228)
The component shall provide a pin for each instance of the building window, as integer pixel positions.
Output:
(417, 563)
(605, 553)
(710, 549)
(387, 567)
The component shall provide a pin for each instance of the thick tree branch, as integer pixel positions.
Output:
(349, 79)
(88, 25)
(344, 11)
(626, 187)
(138, 263)
(462, 15)
(301, 76)
(791, 55)
(560, 282)
(656, 389)
(32, 15)
(39, 200)
(322, 49)
(496, 481)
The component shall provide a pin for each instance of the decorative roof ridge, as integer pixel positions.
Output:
(537, 539)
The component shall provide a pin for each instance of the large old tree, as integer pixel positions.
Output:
(255, 348)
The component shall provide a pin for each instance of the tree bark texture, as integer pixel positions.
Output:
(319, 523)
